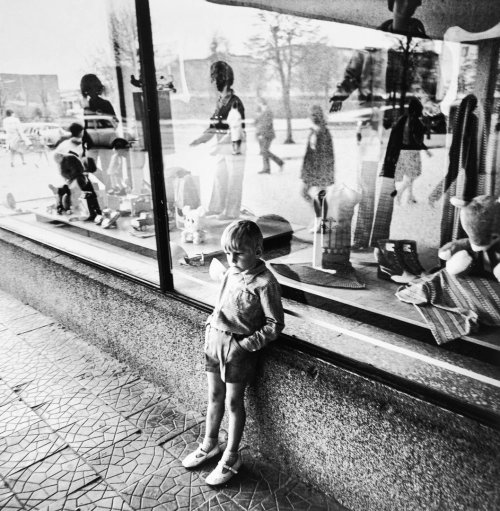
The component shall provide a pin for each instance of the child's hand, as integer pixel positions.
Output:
(216, 270)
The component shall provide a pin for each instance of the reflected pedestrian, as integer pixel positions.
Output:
(92, 89)
(264, 131)
(318, 168)
(16, 143)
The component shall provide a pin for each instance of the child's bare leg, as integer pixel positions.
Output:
(235, 399)
(215, 410)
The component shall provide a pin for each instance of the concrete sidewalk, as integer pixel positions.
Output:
(81, 431)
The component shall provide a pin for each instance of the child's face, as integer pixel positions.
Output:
(243, 258)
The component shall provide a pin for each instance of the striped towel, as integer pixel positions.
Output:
(454, 306)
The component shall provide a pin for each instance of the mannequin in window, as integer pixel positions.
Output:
(92, 89)
(368, 72)
(228, 177)
(318, 167)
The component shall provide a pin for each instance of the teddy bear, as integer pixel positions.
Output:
(193, 225)
(479, 254)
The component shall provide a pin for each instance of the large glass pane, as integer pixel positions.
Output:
(73, 166)
(350, 152)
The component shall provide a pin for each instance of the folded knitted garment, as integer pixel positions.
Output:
(454, 306)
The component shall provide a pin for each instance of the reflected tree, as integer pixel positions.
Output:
(219, 48)
(282, 45)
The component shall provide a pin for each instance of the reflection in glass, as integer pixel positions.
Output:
(85, 185)
(377, 211)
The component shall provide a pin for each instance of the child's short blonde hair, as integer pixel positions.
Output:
(242, 233)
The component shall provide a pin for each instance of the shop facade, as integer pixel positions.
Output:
(368, 395)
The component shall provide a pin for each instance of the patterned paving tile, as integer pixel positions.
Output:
(48, 336)
(255, 483)
(6, 393)
(49, 387)
(163, 421)
(297, 496)
(28, 323)
(2, 327)
(22, 448)
(96, 433)
(49, 480)
(16, 350)
(103, 364)
(100, 383)
(15, 353)
(71, 358)
(11, 311)
(9, 502)
(15, 416)
(220, 503)
(180, 422)
(170, 488)
(78, 407)
(19, 378)
(134, 397)
(129, 460)
(96, 496)
(8, 341)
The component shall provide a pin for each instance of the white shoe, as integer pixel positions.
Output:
(218, 476)
(199, 456)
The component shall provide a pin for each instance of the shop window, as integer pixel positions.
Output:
(347, 156)
(61, 72)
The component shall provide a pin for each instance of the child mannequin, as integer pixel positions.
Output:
(234, 333)
(235, 122)
(73, 171)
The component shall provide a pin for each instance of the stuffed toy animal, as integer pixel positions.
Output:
(479, 254)
(193, 225)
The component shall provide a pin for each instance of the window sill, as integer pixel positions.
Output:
(378, 348)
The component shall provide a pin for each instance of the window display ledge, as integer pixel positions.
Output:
(451, 380)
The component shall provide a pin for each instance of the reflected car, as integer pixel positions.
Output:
(106, 131)
(49, 133)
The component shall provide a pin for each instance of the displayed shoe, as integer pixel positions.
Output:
(144, 220)
(391, 263)
(386, 273)
(410, 257)
(222, 473)
(111, 221)
(199, 456)
(98, 219)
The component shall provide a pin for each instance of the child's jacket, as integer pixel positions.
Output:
(249, 304)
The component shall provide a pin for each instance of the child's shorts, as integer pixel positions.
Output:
(225, 356)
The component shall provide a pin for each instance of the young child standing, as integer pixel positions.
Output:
(235, 122)
(247, 316)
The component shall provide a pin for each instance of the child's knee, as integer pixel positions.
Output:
(235, 404)
(217, 396)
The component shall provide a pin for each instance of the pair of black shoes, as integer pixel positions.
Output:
(398, 261)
